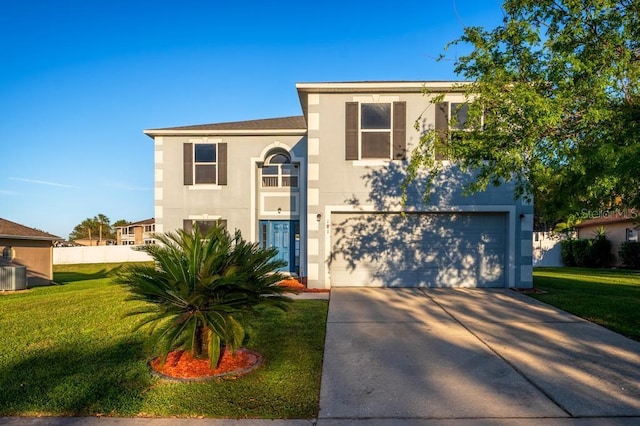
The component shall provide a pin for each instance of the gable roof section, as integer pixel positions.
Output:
(284, 125)
(10, 229)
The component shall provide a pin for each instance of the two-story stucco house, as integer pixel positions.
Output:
(324, 188)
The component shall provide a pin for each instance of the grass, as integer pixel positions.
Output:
(607, 297)
(70, 350)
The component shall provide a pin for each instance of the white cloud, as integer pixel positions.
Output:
(40, 182)
(125, 187)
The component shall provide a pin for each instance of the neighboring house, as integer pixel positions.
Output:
(324, 188)
(619, 226)
(24, 246)
(136, 233)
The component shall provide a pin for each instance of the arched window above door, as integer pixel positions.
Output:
(278, 171)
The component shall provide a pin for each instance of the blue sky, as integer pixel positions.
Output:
(81, 79)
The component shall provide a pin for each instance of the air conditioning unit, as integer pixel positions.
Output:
(13, 277)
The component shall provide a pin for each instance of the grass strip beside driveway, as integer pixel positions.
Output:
(70, 350)
(607, 297)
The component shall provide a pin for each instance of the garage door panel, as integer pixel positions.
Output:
(430, 250)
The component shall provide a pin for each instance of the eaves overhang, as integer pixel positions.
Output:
(378, 87)
(23, 237)
(266, 132)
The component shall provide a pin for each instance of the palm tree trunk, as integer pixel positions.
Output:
(200, 347)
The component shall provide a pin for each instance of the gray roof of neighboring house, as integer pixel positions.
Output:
(10, 229)
(283, 123)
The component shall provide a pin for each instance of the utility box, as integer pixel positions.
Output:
(13, 277)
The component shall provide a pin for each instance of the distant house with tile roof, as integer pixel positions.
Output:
(29, 247)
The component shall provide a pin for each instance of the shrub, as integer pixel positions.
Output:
(566, 250)
(201, 289)
(630, 254)
(582, 252)
(600, 253)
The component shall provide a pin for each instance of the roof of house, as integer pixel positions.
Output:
(140, 222)
(296, 123)
(604, 218)
(10, 229)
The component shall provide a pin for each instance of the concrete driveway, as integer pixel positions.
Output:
(443, 356)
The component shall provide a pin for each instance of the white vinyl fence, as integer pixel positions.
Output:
(546, 249)
(98, 254)
(546, 252)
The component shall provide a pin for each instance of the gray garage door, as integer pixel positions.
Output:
(418, 250)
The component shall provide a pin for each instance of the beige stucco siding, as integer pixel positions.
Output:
(615, 232)
(36, 255)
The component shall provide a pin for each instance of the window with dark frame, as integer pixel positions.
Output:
(204, 163)
(375, 131)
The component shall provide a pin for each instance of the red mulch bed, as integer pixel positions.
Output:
(181, 365)
(297, 285)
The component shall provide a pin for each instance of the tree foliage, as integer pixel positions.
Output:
(96, 228)
(200, 289)
(554, 104)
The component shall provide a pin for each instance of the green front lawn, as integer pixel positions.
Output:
(607, 297)
(70, 350)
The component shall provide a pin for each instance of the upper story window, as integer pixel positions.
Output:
(278, 172)
(451, 120)
(459, 116)
(375, 131)
(205, 163)
(149, 228)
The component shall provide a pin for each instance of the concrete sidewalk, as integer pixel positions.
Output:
(441, 356)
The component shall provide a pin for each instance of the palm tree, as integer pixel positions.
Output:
(88, 225)
(102, 221)
(201, 288)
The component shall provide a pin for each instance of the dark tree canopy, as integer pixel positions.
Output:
(554, 105)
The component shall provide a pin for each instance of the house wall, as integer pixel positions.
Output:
(239, 202)
(36, 255)
(336, 184)
(615, 232)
